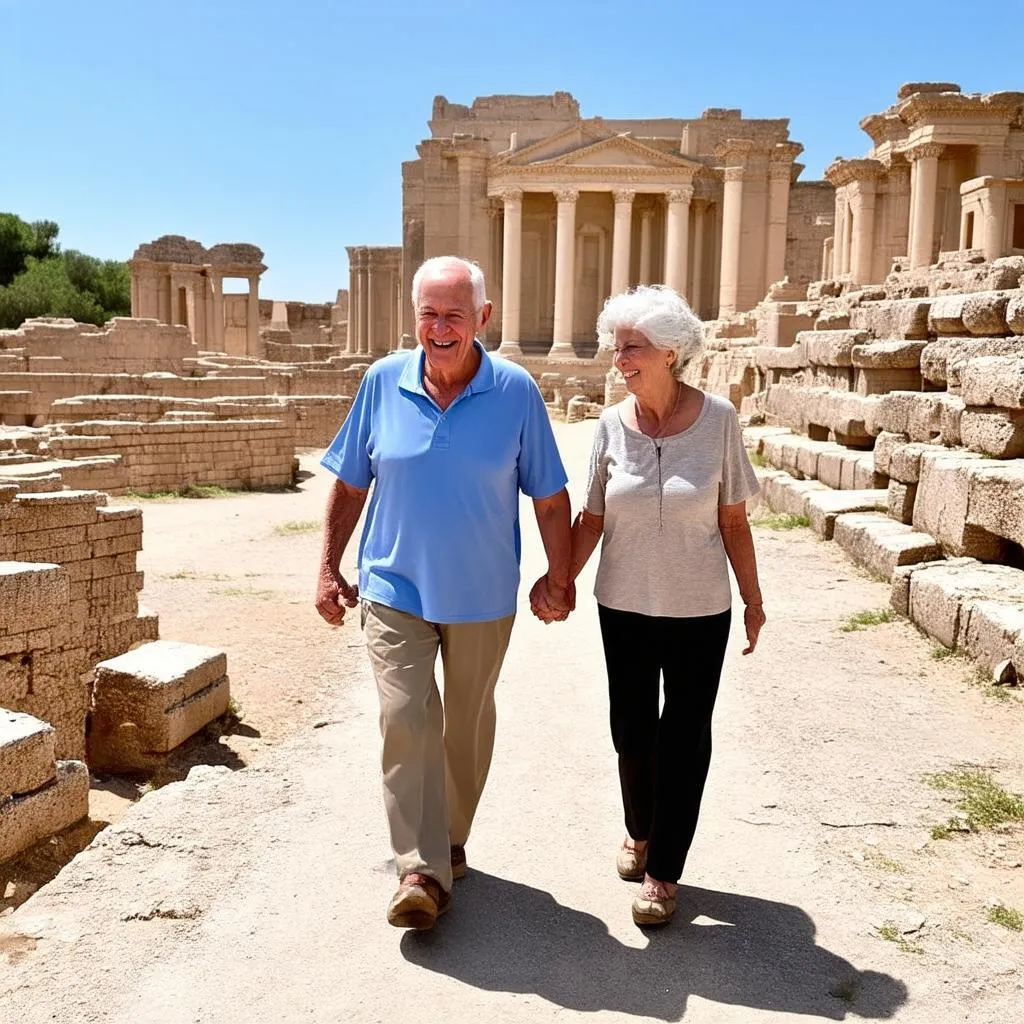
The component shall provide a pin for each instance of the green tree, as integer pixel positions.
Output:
(45, 289)
(109, 282)
(20, 240)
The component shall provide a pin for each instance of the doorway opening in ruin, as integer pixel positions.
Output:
(1018, 226)
(591, 289)
(969, 231)
(181, 313)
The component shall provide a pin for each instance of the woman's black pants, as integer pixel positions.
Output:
(663, 759)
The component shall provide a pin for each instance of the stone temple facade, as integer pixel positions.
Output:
(561, 211)
(945, 174)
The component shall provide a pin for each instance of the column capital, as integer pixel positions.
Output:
(623, 195)
(926, 149)
(779, 170)
(735, 173)
(511, 195)
(567, 195)
(683, 194)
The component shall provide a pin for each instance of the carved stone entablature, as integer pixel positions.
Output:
(926, 108)
(842, 172)
(926, 149)
(734, 151)
(644, 179)
(567, 195)
(882, 128)
(785, 152)
(624, 195)
(679, 195)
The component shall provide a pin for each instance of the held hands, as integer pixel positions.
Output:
(333, 596)
(753, 620)
(551, 603)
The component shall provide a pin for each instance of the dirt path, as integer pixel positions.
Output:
(257, 896)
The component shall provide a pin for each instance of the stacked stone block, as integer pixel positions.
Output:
(39, 795)
(167, 455)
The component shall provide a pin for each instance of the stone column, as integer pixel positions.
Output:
(646, 223)
(217, 341)
(863, 244)
(370, 305)
(926, 180)
(697, 271)
(621, 237)
(365, 328)
(565, 276)
(252, 317)
(992, 229)
(732, 229)
(779, 174)
(677, 237)
(511, 272)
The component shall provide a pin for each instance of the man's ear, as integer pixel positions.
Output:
(484, 315)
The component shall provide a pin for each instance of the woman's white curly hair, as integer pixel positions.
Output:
(661, 315)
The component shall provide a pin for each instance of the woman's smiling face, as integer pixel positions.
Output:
(643, 366)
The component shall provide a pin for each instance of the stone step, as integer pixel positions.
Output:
(152, 699)
(880, 544)
(966, 605)
(787, 496)
(831, 348)
(823, 507)
(26, 753)
(897, 318)
(888, 355)
(58, 804)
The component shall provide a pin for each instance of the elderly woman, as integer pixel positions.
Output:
(669, 479)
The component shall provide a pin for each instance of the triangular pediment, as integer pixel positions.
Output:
(585, 150)
(576, 137)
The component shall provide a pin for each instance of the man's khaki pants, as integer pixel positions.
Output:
(435, 758)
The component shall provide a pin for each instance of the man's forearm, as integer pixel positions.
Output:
(344, 506)
(553, 523)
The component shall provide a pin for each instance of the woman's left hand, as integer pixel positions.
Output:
(753, 620)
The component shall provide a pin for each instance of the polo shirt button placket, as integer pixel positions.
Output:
(442, 433)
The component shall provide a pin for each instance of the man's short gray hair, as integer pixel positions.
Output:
(436, 264)
(661, 315)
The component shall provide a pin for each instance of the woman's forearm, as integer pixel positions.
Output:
(739, 549)
(586, 535)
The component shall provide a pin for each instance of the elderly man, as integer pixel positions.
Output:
(447, 435)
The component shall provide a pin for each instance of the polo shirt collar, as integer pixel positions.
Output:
(412, 375)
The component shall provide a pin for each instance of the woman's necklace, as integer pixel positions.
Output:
(657, 434)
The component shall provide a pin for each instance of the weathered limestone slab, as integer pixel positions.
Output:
(942, 503)
(1015, 313)
(900, 318)
(823, 507)
(998, 433)
(881, 382)
(985, 312)
(152, 699)
(934, 357)
(878, 544)
(946, 315)
(914, 413)
(25, 820)
(837, 467)
(899, 594)
(865, 476)
(991, 630)
(831, 348)
(33, 596)
(960, 351)
(888, 355)
(26, 753)
(905, 464)
(901, 501)
(951, 411)
(885, 444)
(785, 495)
(792, 358)
(995, 500)
(994, 380)
(780, 328)
(942, 598)
(755, 437)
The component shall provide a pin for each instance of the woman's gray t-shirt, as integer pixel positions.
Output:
(662, 552)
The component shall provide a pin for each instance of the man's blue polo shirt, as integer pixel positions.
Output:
(441, 538)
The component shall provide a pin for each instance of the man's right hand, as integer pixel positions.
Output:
(333, 596)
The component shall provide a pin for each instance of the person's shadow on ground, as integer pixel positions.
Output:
(507, 937)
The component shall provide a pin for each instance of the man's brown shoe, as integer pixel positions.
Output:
(418, 903)
(459, 867)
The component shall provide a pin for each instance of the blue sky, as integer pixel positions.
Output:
(285, 124)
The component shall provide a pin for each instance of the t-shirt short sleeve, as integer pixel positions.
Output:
(541, 473)
(739, 481)
(597, 479)
(348, 456)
